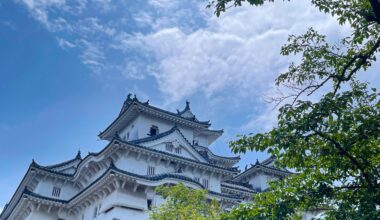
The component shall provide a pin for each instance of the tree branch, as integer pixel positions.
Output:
(349, 156)
(362, 59)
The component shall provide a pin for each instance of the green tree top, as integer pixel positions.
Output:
(333, 143)
(183, 203)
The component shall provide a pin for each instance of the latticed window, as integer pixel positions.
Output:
(150, 171)
(205, 183)
(177, 150)
(56, 191)
(196, 179)
(169, 146)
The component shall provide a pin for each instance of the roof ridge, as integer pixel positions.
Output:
(77, 157)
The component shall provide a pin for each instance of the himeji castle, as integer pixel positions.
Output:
(147, 147)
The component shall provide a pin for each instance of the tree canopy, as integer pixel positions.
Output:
(333, 143)
(183, 203)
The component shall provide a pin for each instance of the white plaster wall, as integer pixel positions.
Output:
(202, 140)
(39, 215)
(131, 164)
(213, 182)
(96, 175)
(127, 198)
(142, 123)
(45, 188)
(145, 122)
(184, 149)
(132, 129)
(260, 181)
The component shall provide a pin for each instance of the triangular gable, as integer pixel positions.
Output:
(259, 168)
(177, 139)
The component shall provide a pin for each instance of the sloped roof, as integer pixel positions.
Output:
(112, 168)
(203, 148)
(261, 167)
(77, 158)
(134, 102)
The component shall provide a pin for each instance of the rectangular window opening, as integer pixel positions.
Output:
(205, 183)
(150, 171)
(56, 191)
(169, 147)
(178, 150)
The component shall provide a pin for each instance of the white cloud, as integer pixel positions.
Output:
(92, 55)
(65, 44)
(238, 51)
(183, 46)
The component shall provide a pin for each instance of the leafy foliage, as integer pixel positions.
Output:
(183, 203)
(332, 143)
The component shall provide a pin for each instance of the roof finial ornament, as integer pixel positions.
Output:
(129, 96)
(78, 156)
(135, 97)
(187, 105)
(257, 162)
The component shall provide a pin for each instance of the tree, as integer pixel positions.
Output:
(183, 203)
(334, 143)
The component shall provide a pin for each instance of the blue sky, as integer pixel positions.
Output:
(67, 66)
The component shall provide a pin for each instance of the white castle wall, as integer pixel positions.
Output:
(45, 188)
(202, 140)
(41, 215)
(261, 181)
(140, 127)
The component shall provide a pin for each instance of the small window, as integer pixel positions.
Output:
(205, 183)
(196, 179)
(127, 138)
(153, 130)
(177, 150)
(149, 204)
(150, 171)
(56, 191)
(169, 147)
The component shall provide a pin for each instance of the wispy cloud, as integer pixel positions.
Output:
(65, 44)
(238, 52)
(184, 47)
